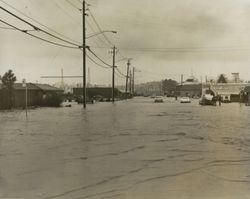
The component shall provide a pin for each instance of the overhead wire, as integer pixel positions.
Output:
(99, 28)
(46, 32)
(182, 50)
(7, 28)
(48, 28)
(119, 75)
(104, 35)
(38, 29)
(73, 5)
(90, 58)
(118, 70)
(98, 57)
(97, 37)
(45, 40)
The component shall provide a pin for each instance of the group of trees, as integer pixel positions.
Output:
(8, 80)
(169, 86)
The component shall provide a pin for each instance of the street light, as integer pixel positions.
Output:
(112, 31)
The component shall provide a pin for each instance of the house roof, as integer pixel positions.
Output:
(47, 87)
(226, 89)
(31, 86)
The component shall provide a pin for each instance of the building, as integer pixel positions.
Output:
(104, 92)
(190, 90)
(191, 87)
(150, 88)
(36, 95)
(228, 91)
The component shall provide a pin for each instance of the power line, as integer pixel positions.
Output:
(7, 28)
(73, 5)
(180, 50)
(42, 39)
(117, 74)
(50, 29)
(104, 35)
(118, 70)
(38, 29)
(100, 29)
(97, 63)
(98, 36)
(99, 58)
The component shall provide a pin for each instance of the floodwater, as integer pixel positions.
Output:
(134, 149)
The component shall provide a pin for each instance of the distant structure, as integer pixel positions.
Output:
(191, 87)
(149, 89)
(236, 77)
(190, 81)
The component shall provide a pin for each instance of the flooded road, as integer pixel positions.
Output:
(135, 149)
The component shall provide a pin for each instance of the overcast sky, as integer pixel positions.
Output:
(165, 38)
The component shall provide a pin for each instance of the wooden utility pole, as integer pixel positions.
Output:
(127, 76)
(130, 82)
(84, 54)
(113, 76)
(133, 81)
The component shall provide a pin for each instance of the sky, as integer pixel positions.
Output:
(163, 38)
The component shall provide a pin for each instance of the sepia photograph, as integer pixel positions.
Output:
(124, 99)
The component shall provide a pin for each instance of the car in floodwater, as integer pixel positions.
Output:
(158, 99)
(185, 100)
(208, 99)
(79, 100)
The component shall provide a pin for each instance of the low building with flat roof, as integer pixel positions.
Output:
(36, 93)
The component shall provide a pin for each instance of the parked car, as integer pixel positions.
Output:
(79, 100)
(185, 100)
(226, 99)
(208, 99)
(158, 99)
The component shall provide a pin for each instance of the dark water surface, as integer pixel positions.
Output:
(134, 149)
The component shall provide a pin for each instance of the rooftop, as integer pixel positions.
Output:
(31, 86)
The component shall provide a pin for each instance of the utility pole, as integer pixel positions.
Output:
(113, 76)
(128, 64)
(130, 82)
(133, 81)
(181, 80)
(84, 54)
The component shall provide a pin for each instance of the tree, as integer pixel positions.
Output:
(222, 79)
(8, 81)
(169, 86)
